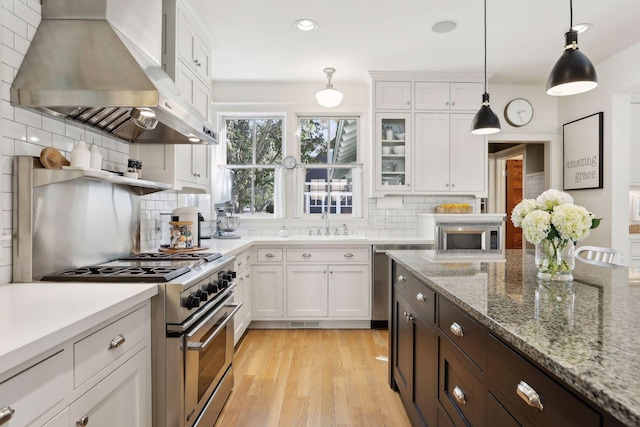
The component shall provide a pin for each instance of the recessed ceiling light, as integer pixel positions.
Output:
(581, 28)
(443, 27)
(306, 25)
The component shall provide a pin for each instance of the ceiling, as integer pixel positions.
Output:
(257, 40)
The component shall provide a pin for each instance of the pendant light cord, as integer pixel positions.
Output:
(485, 46)
(570, 15)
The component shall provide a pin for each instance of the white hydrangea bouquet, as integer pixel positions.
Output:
(554, 224)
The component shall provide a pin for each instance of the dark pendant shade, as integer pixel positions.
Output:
(573, 73)
(485, 121)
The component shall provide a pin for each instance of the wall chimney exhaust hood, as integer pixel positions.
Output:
(97, 63)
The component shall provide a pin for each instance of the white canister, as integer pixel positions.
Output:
(95, 161)
(190, 214)
(80, 156)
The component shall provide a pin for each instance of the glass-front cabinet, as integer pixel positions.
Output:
(392, 152)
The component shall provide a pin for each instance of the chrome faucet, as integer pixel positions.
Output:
(344, 229)
(325, 216)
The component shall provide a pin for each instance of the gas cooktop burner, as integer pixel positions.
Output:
(102, 273)
(207, 256)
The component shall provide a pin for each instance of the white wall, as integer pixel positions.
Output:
(618, 77)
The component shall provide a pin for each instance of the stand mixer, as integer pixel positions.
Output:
(226, 223)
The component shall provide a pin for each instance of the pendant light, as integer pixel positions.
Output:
(573, 73)
(485, 121)
(329, 97)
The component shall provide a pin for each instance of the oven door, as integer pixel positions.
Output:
(208, 348)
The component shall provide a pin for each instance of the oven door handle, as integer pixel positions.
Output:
(202, 345)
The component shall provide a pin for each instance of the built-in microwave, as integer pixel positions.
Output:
(472, 236)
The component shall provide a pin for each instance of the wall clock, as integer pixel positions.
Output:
(289, 162)
(518, 112)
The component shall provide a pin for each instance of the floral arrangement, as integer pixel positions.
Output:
(553, 223)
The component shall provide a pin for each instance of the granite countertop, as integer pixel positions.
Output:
(583, 332)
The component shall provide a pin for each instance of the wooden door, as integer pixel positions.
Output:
(513, 239)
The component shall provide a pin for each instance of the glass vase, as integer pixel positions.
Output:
(555, 260)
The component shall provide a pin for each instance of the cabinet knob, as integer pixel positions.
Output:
(82, 422)
(453, 103)
(408, 102)
(239, 262)
(401, 278)
(458, 394)
(408, 316)
(453, 185)
(447, 184)
(196, 174)
(529, 395)
(5, 414)
(446, 103)
(456, 329)
(117, 342)
(420, 297)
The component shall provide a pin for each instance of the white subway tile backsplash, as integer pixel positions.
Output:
(14, 130)
(20, 44)
(8, 110)
(39, 136)
(122, 147)
(109, 143)
(53, 124)
(73, 131)
(27, 149)
(28, 117)
(7, 37)
(7, 74)
(8, 5)
(62, 143)
(12, 57)
(14, 23)
(93, 137)
(26, 13)
(7, 167)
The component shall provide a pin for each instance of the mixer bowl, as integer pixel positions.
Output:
(228, 223)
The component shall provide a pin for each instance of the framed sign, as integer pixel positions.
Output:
(582, 153)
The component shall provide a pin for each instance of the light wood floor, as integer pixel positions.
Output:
(320, 378)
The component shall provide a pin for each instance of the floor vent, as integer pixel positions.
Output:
(304, 325)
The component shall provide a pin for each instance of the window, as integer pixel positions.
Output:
(253, 147)
(329, 155)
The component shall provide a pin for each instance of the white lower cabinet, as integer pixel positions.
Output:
(328, 290)
(242, 294)
(267, 292)
(102, 374)
(120, 399)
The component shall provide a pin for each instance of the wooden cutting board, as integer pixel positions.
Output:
(52, 158)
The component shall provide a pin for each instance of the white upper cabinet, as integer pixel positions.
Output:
(392, 95)
(451, 158)
(455, 96)
(186, 54)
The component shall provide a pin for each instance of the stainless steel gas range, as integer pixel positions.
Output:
(85, 228)
(192, 329)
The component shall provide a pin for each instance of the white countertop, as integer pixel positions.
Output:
(32, 325)
(36, 317)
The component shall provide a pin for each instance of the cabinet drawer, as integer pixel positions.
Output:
(421, 298)
(470, 336)
(107, 345)
(635, 249)
(460, 391)
(506, 370)
(38, 393)
(349, 255)
(269, 254)
(243, 260)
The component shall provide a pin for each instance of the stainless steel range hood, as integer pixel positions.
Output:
(82, 65)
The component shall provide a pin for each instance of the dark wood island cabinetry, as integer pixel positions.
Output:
(458, 358)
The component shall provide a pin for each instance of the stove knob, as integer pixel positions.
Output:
(232, 273)
(192, 302)
(201, 295)
(212, 287)
(224, 284)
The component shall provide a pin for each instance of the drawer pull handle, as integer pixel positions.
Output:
(529, 395)
(401, 278)
(456, 329)
(459, 395)
(117, 342)
(270, 255)
(408, 317)
(306, 255)
(82, 422)
(5, 414)
(420, 297)
(348, 255)
(239, 262)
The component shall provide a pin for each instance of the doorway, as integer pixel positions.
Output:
(514, 186)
